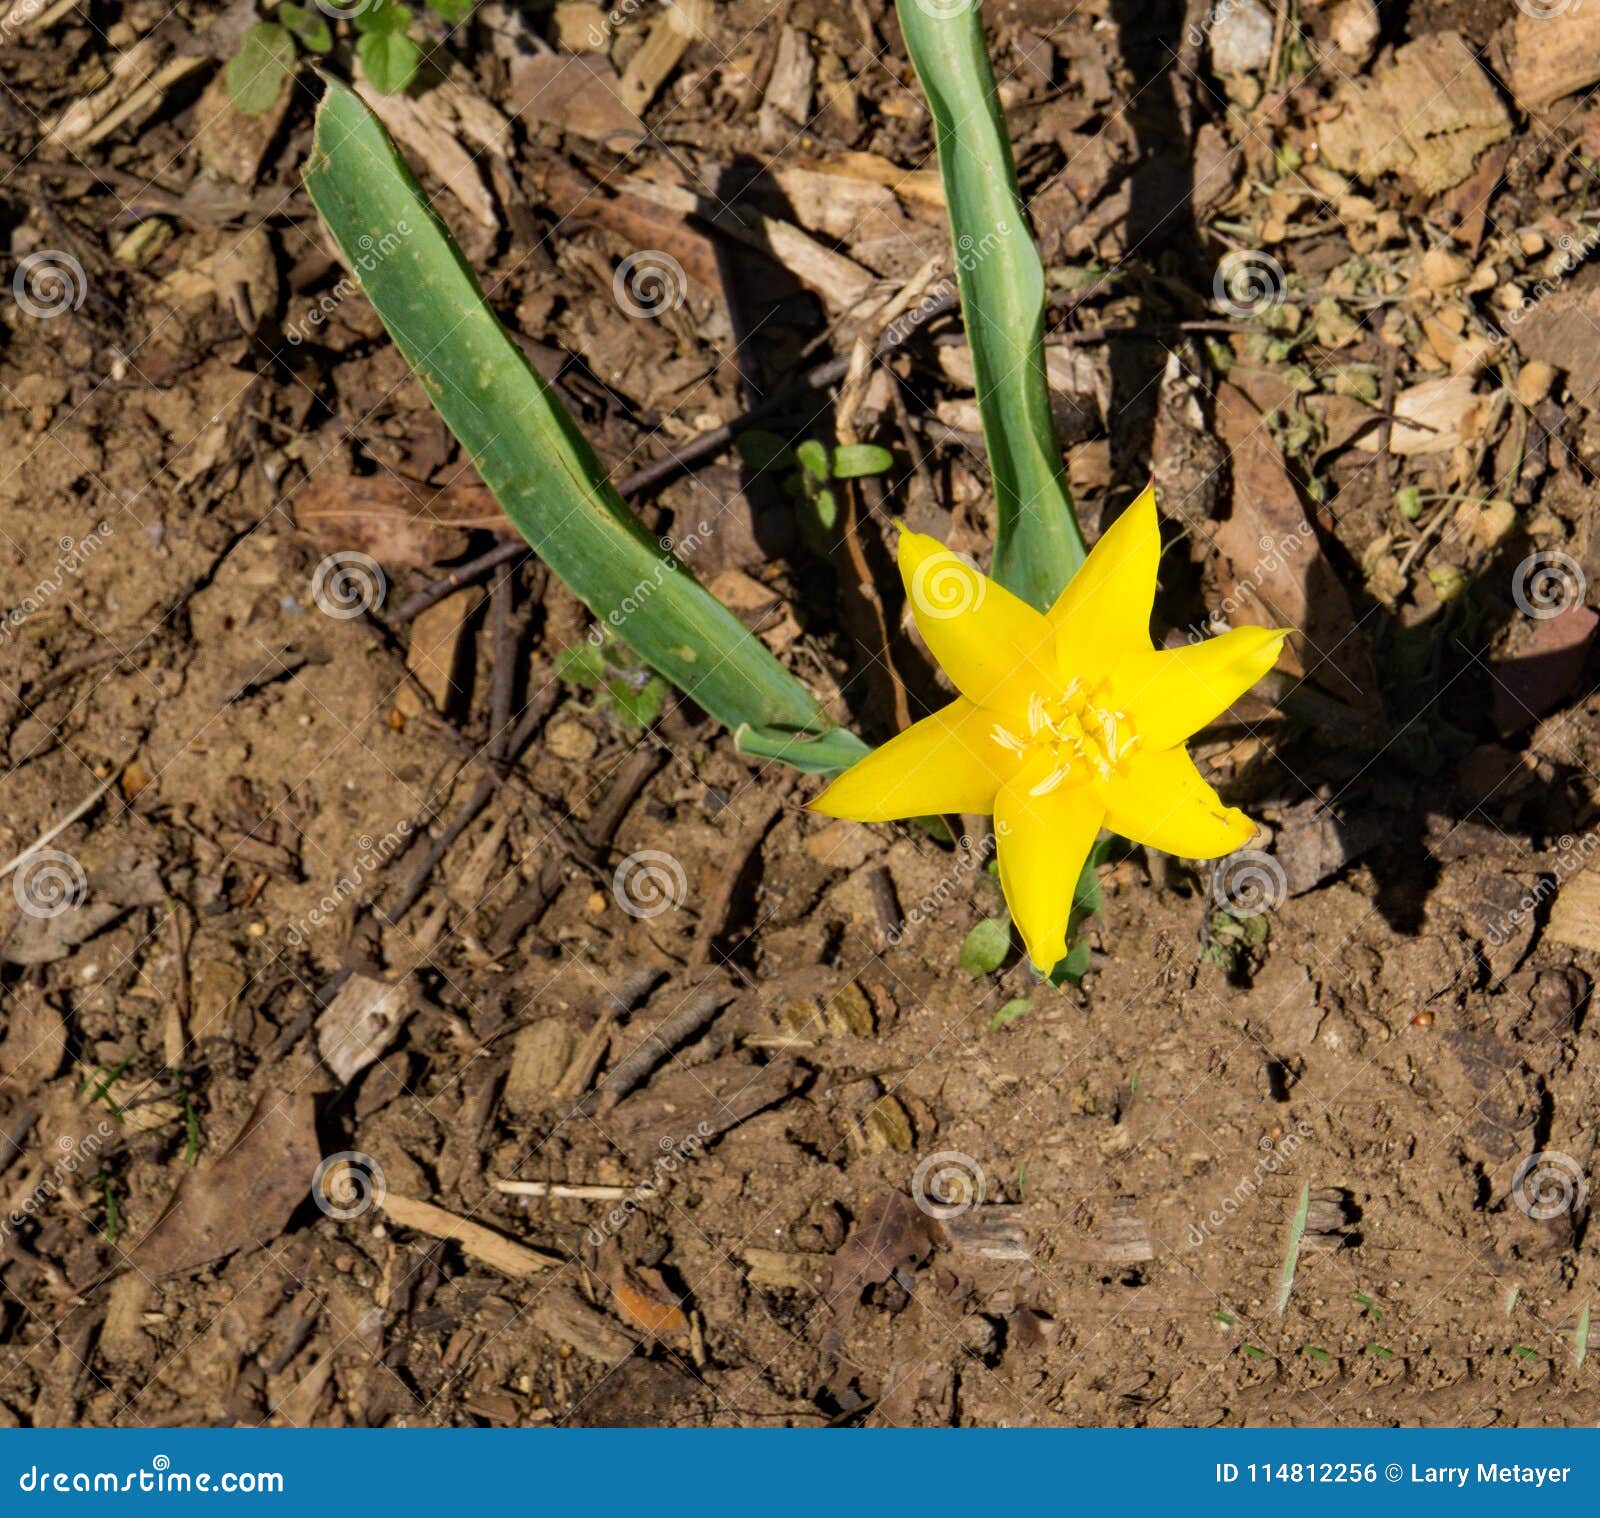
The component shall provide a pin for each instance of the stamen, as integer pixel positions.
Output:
(1049, 783)
(1036, 713)
(1006, 739)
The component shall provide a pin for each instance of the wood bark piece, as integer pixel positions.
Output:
(360, 1023)
(427, 131)
(562, 1315)
(493, 1249)
(700, 1104)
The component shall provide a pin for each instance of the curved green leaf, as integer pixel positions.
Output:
(527, 449)
(1038, 546)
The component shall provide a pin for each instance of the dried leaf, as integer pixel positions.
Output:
(399, 522)
(891, 1234)
(579, 93)
(645, 1300)
(244, 1198)
(1273, 571)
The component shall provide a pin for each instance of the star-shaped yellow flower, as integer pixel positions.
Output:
(1067, 721)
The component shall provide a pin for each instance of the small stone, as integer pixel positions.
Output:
(1241, 38)
(1534, 382)
(570, 739)
(1443, 270)
(1354, 28)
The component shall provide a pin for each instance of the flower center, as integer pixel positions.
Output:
(1074, 734)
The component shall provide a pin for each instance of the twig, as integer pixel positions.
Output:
(559, 1190)
(463, 574)
(586, 1061)
(675, 1029)
(82, 809)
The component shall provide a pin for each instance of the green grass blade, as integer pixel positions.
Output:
(528, 450)
(1291, 1255)
(1038, 546)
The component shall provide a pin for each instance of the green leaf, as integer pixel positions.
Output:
(813, 459)
(389, 60)
(311, 27)
(531, 455)
(763, 450)
(1038, 546)
(809, 752)
(1009, 1013)
(582, 664)
(986, 946)
(1291, 1255)
(826, 507)
(255, 73)
(385, 16)
(638, 702)
(453, 11)
(852, 460)
(1075, 966)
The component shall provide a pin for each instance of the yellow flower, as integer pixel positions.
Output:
(1067, 721)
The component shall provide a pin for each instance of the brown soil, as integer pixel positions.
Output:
(1382, 1044)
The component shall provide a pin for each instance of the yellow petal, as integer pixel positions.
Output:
(995, 647)
(1173, 694)
(1043, 842)
(1162, 800)
(945, 763)
(1104, 613)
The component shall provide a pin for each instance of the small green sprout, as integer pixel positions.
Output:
(624, 686)
(813, 468)
(388, 54)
